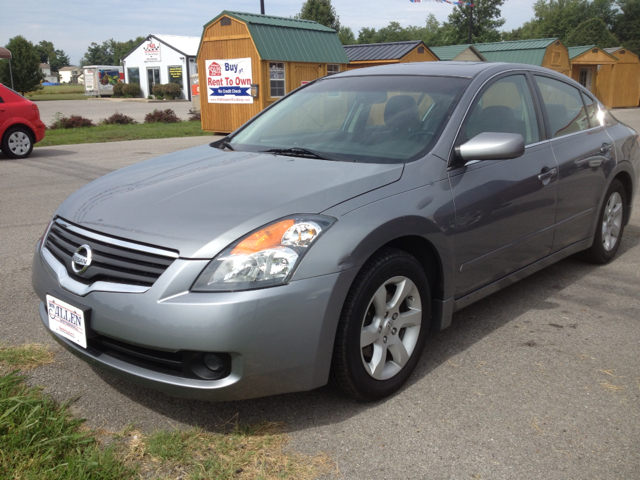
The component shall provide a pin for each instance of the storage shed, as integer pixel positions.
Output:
(248, 61)
(459, 53)
(374, 54)
(624, 75)
(546, 52)
(586, 63)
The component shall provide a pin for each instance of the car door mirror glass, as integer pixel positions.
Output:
(491, 146)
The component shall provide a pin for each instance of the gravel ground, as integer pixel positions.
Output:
(539, 381)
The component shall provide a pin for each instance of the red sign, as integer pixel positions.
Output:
(195, 89)
(303, 82)
(215, 70)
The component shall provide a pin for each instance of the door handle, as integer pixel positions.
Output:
(547, 174)
(605, 148)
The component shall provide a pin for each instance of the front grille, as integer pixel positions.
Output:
(156, 360)
(114, 260)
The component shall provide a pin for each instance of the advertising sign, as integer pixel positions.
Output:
(88, 79)
(152, 51)
(229, 81)
(110, 77)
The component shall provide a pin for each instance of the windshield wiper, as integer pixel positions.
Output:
(303, 152)
(222, 144)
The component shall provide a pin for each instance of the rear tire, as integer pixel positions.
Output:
(610, 228)
(17, 142)
(382, 327)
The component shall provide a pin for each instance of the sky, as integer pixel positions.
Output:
(73, 24)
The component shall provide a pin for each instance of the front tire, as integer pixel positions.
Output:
(608, 237)
(17, 142)
(382, 327)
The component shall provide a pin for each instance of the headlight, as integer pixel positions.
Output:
(263, 258)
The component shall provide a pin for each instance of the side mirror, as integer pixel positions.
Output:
(491, 146)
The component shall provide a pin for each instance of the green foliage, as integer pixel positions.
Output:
(25, 66)
(74, 121)
(48, 54)
(39, 439)
(486, 22)
(591, 32)
(171, 90)
(346, 36)
(320, 11)
(131, 90)
(627, 25)
(117, 90)
(109, 52)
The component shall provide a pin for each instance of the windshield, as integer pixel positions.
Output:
(373, 119)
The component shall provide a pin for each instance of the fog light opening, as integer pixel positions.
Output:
(209, 366)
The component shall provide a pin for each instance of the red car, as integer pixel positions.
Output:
(20, 124)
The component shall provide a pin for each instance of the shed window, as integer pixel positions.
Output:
(420, 49)
(332, 69)
(276, 79)
(225, 21)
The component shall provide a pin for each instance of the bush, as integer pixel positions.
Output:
(162, 116)
(158, 91)
(119, 119)
(172, 90)
(131, 90)
(74, 121)
(117, 89)
(195, 117)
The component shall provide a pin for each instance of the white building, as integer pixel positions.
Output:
(162, 59)
(48, 76)
(69, 74)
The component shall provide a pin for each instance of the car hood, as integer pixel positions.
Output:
(200, 200)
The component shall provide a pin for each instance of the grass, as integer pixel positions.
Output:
(58, 92)
(117, 133)
(25, 357)
(40, 439)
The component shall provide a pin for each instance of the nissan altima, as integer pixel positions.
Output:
(322, 241)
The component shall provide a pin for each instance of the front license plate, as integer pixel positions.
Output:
(67, 321)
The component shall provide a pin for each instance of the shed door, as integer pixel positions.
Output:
(304, 72)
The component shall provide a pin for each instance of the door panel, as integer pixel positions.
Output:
(303, 72)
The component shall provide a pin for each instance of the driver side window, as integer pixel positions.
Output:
(506, 106)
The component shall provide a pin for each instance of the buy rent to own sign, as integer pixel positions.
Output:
(229, 81)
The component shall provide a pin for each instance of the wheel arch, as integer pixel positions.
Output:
(29, 130)
(625, 178)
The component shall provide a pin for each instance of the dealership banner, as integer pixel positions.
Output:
(151, 51)
(229, 81)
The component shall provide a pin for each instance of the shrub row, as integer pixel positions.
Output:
(77, 121)
(167, 90)
(127, 90)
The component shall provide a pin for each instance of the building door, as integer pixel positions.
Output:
(585, 77)
(153, 77)
(303, 73)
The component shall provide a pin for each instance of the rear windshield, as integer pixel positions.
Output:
(381, 119)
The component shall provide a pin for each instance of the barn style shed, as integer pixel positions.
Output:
(586, 63)
(248, 61)
(624, 75)
(459, 53)
(374, 54)
(546, 52)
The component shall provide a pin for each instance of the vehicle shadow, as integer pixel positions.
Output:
(40, 152)
(324, 406)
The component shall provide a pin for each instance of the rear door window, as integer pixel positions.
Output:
(565, 109)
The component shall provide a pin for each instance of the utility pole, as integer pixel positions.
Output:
(470, 22)
(262, 7)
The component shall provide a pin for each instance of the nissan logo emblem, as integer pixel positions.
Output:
(81, 259)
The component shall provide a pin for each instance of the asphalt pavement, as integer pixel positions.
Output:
(539, 381)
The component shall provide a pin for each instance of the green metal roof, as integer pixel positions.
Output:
(530, 52)
(452, 51)
(290, 39)
(575, 51)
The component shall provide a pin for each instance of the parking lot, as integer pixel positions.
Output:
(539, 381)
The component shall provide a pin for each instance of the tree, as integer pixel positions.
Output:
(25, 66)
(99, 54)
(486, 22)
(367, 35)
(48, 54)
(121, 49)
(627, 25)
(346, 36)
(320, 11)
(592, 32)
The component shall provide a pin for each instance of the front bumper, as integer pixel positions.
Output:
(280, 339)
